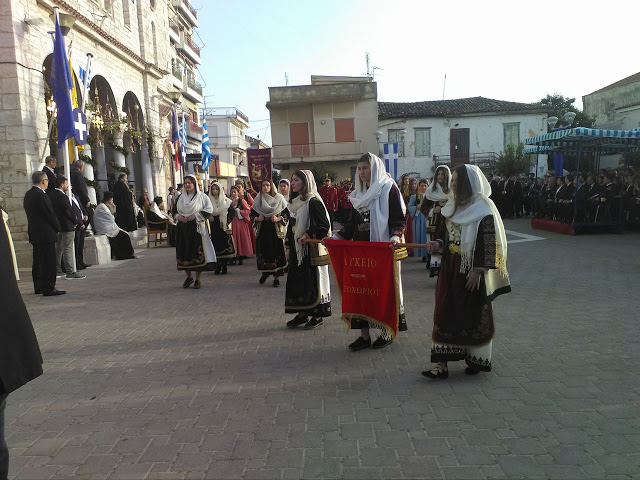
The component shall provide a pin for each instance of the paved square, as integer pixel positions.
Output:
(146, 380)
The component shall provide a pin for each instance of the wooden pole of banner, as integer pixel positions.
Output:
(397, 245)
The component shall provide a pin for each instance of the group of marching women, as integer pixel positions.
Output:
(464, 238)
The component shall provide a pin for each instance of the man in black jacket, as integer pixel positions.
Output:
(43, 233)
(63, 208)
(82, 220)
(50, 169)
(79, 187)
(20, 358)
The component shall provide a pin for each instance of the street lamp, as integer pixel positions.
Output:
(551, 121)
(175, 96)
(66, 22)
(569, 117)
(378, 135)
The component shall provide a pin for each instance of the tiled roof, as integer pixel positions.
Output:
(625, 81)
(447, 108)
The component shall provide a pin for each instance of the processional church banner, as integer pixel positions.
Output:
(367, 274)
(259, 164)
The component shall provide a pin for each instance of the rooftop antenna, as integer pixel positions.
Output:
(368, 60)
(286, 79)
(445, 85)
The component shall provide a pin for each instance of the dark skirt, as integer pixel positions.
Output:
(304, 293)
(121, 247)
(270, 253)
(189, 248)
(461, 317)
(222, 241)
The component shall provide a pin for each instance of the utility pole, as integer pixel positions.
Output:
(286, 79)
(368, 60)
(444, 86)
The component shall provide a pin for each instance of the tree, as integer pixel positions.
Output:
(512, 161)
(558, 105)
(320, 172)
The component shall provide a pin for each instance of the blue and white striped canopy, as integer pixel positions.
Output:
(582, 132)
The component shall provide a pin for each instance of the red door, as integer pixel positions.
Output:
(459, 144)
(299, 133)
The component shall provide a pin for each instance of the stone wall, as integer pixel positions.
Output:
(124, 55)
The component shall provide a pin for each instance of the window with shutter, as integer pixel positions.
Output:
(511, 133)
(344, 130)
(395, 137)
(423, 142)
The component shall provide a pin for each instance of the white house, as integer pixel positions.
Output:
(465, 130)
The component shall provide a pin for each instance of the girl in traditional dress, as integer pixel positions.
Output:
(473, 274)
(438, 194)
(416, 208)
(194, 250)
(378, 216)
(221, 234)
(241, 225)
(270, 218)
(308, 286)
(284, 186)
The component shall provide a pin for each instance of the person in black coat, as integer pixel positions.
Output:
(82, 220)
(43, 233)
(125, 214)
(79, 188)
(65, 248)
(20, 358)
(50, 169)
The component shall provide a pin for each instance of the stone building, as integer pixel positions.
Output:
(616, 106)
(132, 89)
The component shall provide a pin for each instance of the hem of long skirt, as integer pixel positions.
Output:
(195, 268)
(357, 324)
(319, 310)
(279, 269)
(225, 256)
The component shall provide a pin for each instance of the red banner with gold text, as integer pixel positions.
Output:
(259, 164)
(367, 273)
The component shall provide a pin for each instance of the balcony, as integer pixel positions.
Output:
(174, 32)
(187, 11)
(227, 112)
(317, 152)
(191, 89)
(484, 160)
(177, 76)
(194, 130)
(189, 48)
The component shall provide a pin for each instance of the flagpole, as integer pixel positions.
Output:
(85, 87)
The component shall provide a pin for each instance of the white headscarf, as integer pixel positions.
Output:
(267, 205)
(300, 208)
(220, 205)
(104, 222)
(469, 217)
(155, 209)
(288, 195)
(193, 204)
(434, 192)
(375, 198)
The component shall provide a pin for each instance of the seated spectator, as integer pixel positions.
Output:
(105, 224)
(156, 212)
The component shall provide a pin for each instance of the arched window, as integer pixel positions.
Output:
(153, 4)
(155, 43)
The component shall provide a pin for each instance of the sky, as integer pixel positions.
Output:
(506, 50)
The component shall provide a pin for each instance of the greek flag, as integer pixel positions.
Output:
(183, 132)
(206, 147)
(85, 76)
(391, 159)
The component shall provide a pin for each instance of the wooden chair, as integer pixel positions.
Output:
(156, 229)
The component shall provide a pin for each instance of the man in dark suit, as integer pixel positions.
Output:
(82, 220)
(63, 208)
(79, 187)
(50, 169)
(43, 233)
(20, 358)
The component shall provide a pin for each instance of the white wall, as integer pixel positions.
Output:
(486, 134)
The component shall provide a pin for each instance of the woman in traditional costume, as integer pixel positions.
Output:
(416, 210)
(473, 274)
(438, 194)
(308, 286)
(284, 186)
(104, 223)
(407, 188)
(379, 215)
(221, 233)
(194, 250)
(241, 225)
(270, 218)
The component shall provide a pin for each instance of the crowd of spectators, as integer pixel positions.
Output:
(593, 197)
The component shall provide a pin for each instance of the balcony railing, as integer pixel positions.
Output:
(194, 128)
(189, 41)
(176, 69)
(191, 9)
(482, 160)
(193, 85)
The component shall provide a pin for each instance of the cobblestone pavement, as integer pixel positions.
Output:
(146, 380)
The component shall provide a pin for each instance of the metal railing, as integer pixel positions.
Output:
(191, 9)
(193, 85)
(176, 69)
(482, 160)
(189, 41)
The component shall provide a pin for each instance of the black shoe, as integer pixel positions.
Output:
(359, 344)
(53, 293)
(437, 372)
(196, 284)
(224, 270)
(218, 270)
(240, 261)
(471, 371)
(38, 292)
(433, 272)
(313, 323)
(264, 277)
(381, 342)
(187, 282)
(424, 259)
(276, 282)
(297, 321)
